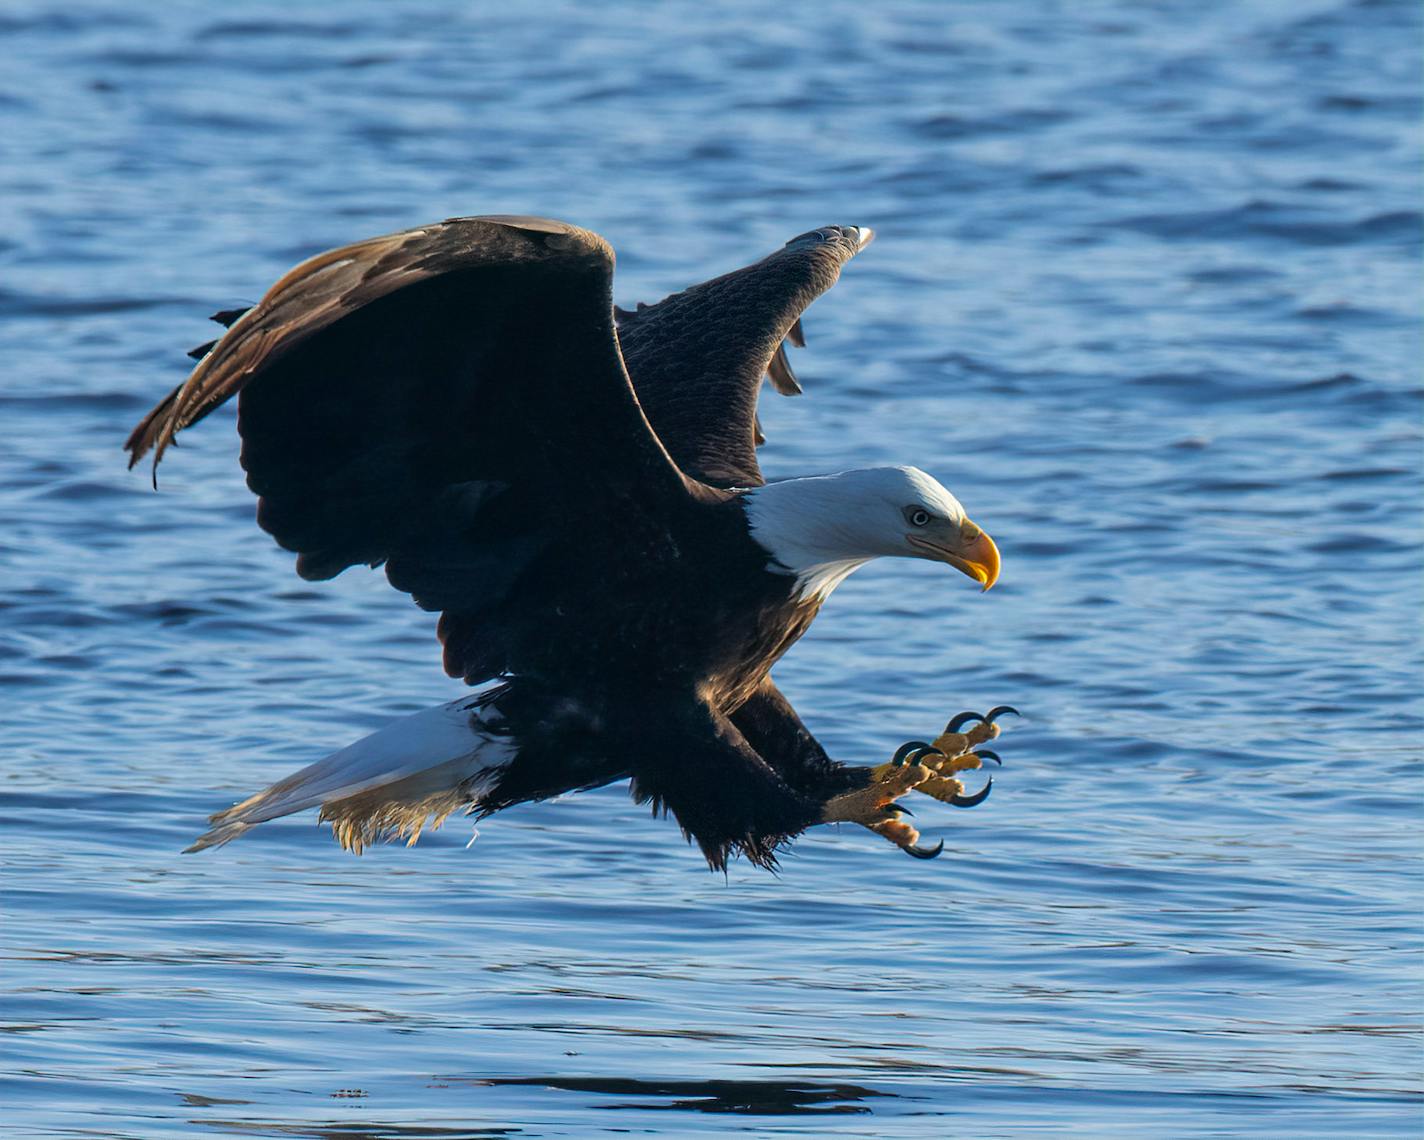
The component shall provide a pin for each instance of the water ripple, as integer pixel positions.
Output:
(1146, 296)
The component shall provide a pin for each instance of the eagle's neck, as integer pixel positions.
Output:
(818, 581)
(803, 527)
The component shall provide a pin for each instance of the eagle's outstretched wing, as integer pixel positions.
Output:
(449, 401)
(697, 358)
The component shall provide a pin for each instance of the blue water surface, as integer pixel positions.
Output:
(1146, 296)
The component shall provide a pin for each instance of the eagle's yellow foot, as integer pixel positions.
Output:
(944, 787)
(907, 839)
(922, 767)
(956, 749)
(959, 743)
(874, 805)
(956, 742)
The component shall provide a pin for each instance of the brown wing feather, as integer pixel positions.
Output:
(450, 401)
(697, 358)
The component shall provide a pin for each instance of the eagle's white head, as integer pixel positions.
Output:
(821, 528)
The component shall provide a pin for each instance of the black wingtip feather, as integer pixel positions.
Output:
(226, 317)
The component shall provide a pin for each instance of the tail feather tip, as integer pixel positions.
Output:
(217, 836)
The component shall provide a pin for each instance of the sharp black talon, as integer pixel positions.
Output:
(995, 713)
(985, 754)
(976, 799)
(897, 810)
(911, 751)
(924, 852)
(961, 720)
(902, 753)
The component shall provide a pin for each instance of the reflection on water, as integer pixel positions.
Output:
(757, 1098)
(1145, 296)
(356, 1131)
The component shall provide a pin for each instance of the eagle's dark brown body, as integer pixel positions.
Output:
(602, 713)
(455, 402)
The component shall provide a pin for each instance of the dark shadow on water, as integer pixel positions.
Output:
(753, 1098)
(762, 1098)
(365, 1130)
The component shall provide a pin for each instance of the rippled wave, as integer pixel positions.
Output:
(1146, 297)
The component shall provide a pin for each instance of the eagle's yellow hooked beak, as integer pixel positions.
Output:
(965, 547)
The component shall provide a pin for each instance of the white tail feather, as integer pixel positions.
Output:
(387, 784)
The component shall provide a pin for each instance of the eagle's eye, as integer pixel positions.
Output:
(918, 516)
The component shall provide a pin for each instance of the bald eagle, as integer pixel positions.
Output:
(575, 489)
